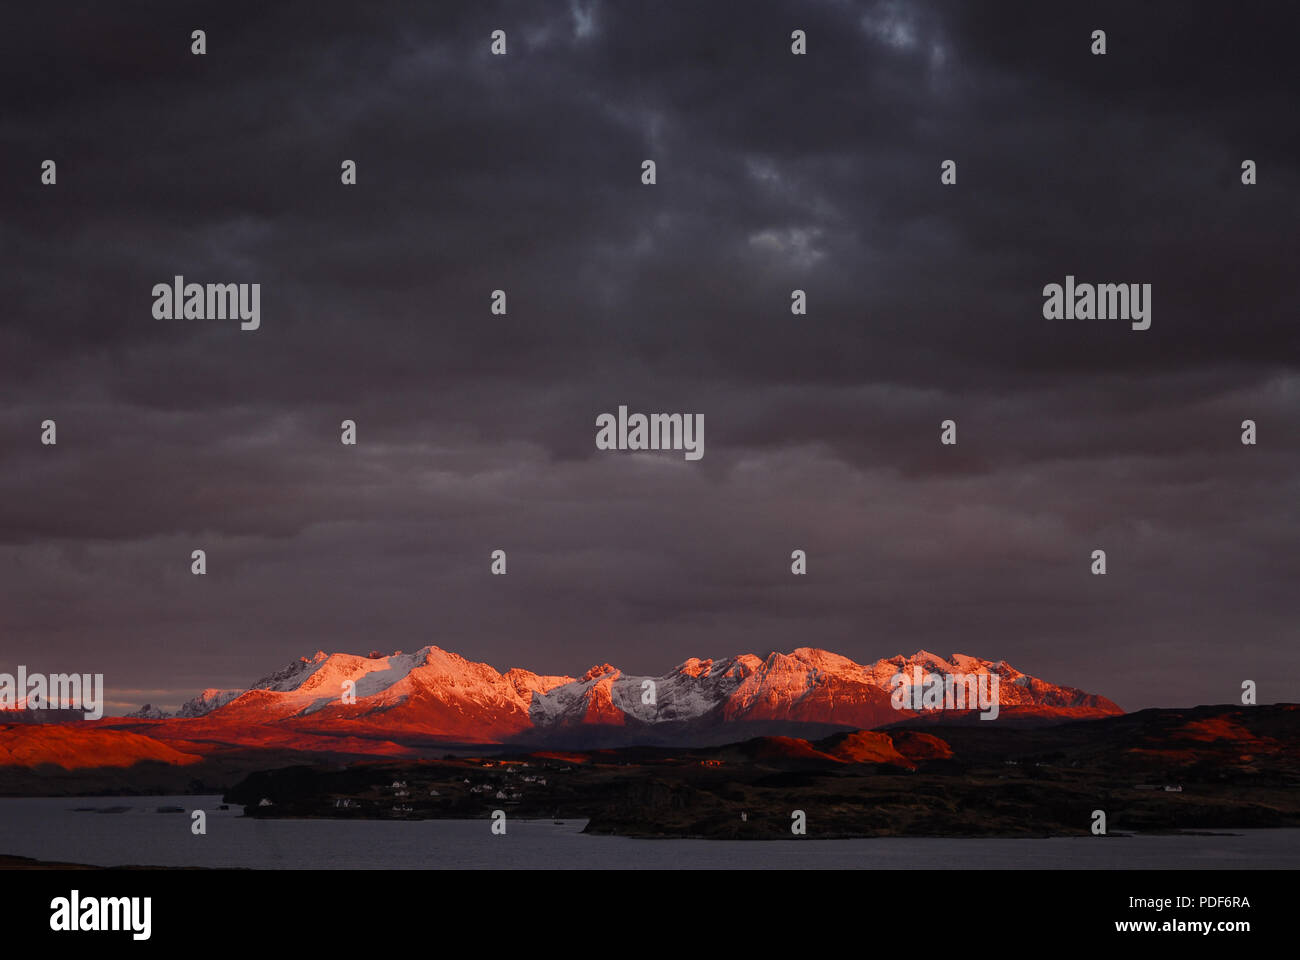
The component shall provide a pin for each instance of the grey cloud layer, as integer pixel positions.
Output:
(775, 172)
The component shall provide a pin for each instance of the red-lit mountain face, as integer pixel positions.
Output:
(433, 696)
(404, 705)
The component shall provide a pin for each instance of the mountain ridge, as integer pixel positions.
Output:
(435, 695)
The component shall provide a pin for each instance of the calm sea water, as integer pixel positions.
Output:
(52, 829)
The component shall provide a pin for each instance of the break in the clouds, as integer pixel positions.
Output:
(475, 431)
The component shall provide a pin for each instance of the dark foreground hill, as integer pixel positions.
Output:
(1206, 768)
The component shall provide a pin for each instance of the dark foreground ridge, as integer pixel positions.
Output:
(1205, 768)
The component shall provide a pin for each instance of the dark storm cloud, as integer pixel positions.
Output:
(775, 172)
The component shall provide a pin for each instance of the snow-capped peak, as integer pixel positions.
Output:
(445, 694)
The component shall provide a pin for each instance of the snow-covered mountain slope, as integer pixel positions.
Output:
(204, 703)
(433, 694)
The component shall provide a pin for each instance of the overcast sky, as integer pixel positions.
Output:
(476, 432)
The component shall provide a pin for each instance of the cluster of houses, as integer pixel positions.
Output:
(510, 791)
(499, 795)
